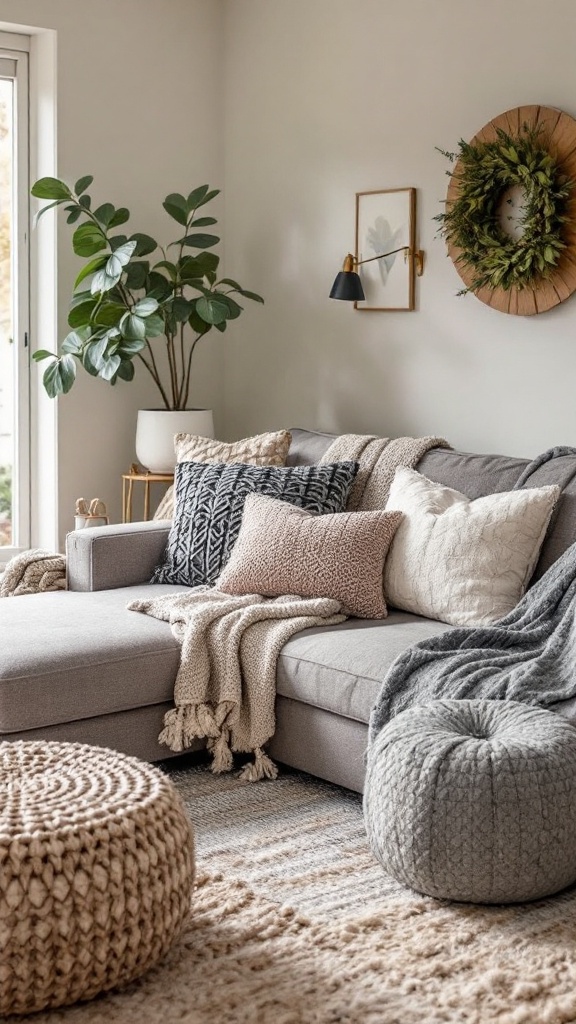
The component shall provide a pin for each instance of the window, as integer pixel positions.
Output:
(14, 304)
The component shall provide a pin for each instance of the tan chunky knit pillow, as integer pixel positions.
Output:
(261, 450)
(282, 549)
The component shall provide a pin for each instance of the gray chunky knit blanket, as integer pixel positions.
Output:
(528, 656)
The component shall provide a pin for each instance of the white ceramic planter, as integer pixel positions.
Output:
(155, 434)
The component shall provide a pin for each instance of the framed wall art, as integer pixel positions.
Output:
(386, 220)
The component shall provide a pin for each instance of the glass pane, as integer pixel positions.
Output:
(7, 347)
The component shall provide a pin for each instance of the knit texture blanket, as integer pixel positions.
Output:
(225, 690)
(378, 458)
(33, 572)
(528, 656)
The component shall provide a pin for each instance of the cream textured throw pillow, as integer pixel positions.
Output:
(282, 549)
(261, 450)
(461, 561)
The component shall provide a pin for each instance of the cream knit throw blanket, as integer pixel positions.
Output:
(379, 458)
(225, 689)
(33, 572)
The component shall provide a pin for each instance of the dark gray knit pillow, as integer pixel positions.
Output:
(209, 500)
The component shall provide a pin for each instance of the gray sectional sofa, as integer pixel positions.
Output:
(79, 666)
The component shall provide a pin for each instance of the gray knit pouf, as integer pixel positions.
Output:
(474, 800)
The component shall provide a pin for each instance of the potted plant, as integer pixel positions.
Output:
(135, 300)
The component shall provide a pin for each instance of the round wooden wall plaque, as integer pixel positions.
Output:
(559, 137)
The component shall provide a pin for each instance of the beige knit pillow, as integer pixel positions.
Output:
(261, 450)
(282, 549)
(461, 561)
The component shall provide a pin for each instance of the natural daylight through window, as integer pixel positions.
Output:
(14, 359)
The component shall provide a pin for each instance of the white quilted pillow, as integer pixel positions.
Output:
(461, 561)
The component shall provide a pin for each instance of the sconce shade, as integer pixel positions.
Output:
(347, 286)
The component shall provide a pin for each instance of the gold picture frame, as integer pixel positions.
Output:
(386, 220)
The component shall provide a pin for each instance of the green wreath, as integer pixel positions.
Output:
(485, 171)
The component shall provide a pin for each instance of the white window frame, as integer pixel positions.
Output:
(14, 63)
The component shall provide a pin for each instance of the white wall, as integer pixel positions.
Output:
(325, 98)
(139, 107)
(303, 104)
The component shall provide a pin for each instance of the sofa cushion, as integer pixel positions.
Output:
(341, 668)
(282, 549)
(474, 475)
(210, 501)
(307, 446)
(461, 561)
(80, 655)
(77, 655)
(562, 531)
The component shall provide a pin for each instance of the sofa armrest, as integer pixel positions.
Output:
(106, 557)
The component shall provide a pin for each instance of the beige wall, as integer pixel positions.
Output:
(139, 106)
(293, 108)
(325, 98)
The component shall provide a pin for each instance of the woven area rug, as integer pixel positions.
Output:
(293, 922)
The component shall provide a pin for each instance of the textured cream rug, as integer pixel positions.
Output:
(293, 922)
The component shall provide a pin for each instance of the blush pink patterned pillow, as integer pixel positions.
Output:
(282, 549)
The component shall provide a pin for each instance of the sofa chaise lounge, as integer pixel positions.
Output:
(78, 666)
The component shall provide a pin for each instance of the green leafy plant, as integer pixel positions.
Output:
(483, 173)
(134, 298)
(5, 492)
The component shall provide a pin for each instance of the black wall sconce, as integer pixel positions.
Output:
(384, 218)
(348, 285)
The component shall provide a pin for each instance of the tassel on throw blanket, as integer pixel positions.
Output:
(379, 458)
(225, 690)
(528, 656)
(33, 572)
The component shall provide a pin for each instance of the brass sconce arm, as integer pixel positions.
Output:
(348, 285)
(350, 261)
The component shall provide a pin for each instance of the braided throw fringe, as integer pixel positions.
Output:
(222, 760)
(225, 687)
(188, 722)
(263, 768)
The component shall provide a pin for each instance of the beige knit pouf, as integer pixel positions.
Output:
(96, 871)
